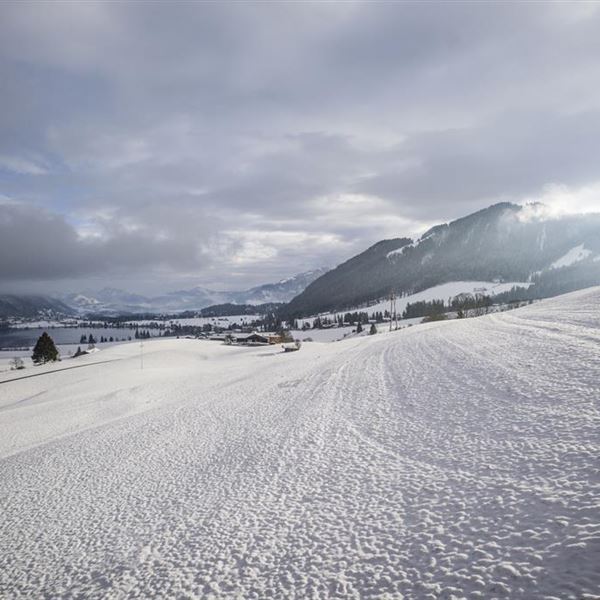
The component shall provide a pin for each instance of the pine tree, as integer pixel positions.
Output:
(44, 350)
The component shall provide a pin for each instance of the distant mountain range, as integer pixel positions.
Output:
(115, 301)
(505, 242)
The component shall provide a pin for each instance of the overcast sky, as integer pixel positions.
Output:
(158, 146)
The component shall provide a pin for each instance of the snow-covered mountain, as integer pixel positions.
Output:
(29, 306)
(282, 291)
(106, 300)
(112, 301)
(503, 243)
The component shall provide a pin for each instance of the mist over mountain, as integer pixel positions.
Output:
(505, 242)
(115, 301)
(282, 291)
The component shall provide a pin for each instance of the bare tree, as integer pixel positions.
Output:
(16, 364)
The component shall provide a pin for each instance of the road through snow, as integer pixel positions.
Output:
(450, 460)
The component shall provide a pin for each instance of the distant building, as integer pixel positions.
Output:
(218, 337)
(253, 338)
(257, 339)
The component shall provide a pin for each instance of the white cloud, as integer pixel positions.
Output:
(21, 166)
(261, 246)
(557, 200)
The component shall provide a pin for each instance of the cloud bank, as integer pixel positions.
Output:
(173, 144)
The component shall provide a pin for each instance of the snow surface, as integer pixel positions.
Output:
(398, 251)
(451, 460)
(335, 334)
(573, 256)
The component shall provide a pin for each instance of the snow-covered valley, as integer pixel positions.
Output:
(451, 460)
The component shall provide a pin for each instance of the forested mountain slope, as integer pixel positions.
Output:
(504, 242)
(15, 305)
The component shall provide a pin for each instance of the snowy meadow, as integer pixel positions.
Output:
(456, 459)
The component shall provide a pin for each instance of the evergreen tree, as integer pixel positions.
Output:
(44, 350)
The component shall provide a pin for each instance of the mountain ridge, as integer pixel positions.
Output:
(32, 305)
(499, 243)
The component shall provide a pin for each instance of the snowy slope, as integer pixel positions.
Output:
(438, 292)
(446, 291)
(573, 256)
(451, 460)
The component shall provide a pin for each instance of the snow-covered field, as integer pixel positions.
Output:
(444, 292)
(451, 460)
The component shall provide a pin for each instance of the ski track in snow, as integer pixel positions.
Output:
(454, 460)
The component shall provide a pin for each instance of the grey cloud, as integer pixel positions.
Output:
(512, 156)
(190, 121)
(40, 245)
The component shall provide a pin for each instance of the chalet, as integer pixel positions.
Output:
(257, 339)
(247, 339)
(218, 337)
(252, 338)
